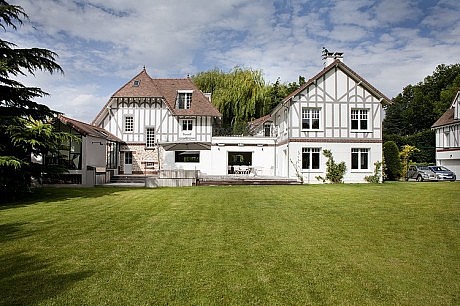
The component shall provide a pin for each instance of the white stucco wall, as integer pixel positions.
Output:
(340, 152)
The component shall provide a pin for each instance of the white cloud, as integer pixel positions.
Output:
(103, 43)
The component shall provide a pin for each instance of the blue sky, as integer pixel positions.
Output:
(102, 44)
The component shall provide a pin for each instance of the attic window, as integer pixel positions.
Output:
(184, 99)
(136, 83)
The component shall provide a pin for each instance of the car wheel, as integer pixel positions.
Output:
(419, 178)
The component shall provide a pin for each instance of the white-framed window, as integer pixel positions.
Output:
(267, 130)
(150, 137)
(359, 158)
(360, 119)
(310, 118)
(310, 158)
(184, 99)
(187, 124)
(128, 124)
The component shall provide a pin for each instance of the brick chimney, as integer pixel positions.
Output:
(330, 57)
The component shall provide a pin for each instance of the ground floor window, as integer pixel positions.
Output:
(187, 156)
(359, 158)
(113, 149)
(310, 158)
(239, 162)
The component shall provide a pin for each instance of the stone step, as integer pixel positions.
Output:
(221, 182)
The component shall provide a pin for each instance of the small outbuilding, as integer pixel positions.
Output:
(91, 157)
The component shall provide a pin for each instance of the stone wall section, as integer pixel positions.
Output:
(145, 160)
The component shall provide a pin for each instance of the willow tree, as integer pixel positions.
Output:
(23, 122)
(240, 95)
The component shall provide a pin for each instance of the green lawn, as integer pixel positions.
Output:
(395, 243)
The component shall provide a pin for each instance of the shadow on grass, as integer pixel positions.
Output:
(53, 194)
(11, 231)
(26, 279)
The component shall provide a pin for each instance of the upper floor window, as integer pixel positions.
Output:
(136, 83)
(310, 118)
(446, 139)
(187, 125)
(359, 158)
(267, 129)
(150, 137)
(129, 124)
(310, 158)
(184, 99)
(359, 119)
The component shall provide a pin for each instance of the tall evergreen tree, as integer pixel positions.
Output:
(23, 122)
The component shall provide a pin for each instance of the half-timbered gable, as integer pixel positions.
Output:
(336, 110)
(151, 114)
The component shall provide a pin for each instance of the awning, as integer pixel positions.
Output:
(184, 146)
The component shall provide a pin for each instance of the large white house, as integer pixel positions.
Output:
(447, 129)
(168, 124)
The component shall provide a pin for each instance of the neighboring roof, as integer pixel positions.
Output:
(449, 116)
(339, 64)
(254, 124)
(88, 129)
(143, 86)
(446, 119)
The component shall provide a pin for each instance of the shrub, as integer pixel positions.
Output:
(392, 161)
(405, 155)
(334, 172)
(375, 179)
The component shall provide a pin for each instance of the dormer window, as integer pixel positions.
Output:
(136, 83)
(184, 99)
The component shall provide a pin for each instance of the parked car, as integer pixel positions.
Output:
(442, 173)
(430, 173)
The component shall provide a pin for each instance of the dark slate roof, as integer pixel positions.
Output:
(88, 129)
(446, 119)
(347, 70)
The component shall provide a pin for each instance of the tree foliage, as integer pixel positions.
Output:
(242, 95)
(419, 106)
(23, 127)
(409, 118)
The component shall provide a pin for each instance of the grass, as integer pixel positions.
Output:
(269, 245)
